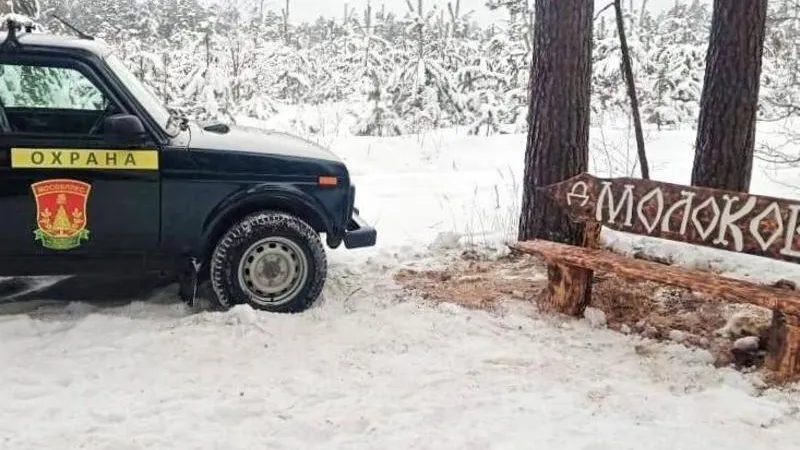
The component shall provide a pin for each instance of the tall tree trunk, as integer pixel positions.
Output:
(558, 115)
(558, 135)
(285, 14)
(728, 106)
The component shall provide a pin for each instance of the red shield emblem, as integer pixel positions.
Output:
(61, 213)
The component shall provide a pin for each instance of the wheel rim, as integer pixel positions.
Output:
(273, 270)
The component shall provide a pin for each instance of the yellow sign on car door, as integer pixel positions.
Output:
(76, 158)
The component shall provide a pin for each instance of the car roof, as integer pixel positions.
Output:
(96, 46)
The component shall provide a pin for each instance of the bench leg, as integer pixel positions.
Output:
(783, 357)
(568, 290)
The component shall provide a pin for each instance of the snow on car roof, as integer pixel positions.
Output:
(95, 46)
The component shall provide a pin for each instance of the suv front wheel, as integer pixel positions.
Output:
(270, 260)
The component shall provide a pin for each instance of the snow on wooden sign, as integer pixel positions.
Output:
(733, 221)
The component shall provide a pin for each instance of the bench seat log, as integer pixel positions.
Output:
(605, 261)
(783, 357)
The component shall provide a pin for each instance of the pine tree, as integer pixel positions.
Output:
(61, 222)
(558, 135)
(728, 107)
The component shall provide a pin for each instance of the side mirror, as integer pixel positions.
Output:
(124, 126)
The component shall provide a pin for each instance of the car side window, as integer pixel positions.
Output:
(50, 100)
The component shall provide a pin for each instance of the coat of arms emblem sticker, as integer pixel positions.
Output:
(61, 213)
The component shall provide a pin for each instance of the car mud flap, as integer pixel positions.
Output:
(189, 282)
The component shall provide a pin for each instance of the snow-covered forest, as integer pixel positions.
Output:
(429, 68)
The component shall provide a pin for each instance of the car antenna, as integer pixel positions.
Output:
(80, 33)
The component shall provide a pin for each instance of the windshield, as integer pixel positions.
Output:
(154, 106)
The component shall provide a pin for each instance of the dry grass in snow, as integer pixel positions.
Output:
(652, 310)
(474, 282)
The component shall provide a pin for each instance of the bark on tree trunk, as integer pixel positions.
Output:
(558, 137)
(728, 105)
(558, 115)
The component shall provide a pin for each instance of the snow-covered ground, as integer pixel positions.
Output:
(371, 366)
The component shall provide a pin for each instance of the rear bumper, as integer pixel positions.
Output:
(359, 233)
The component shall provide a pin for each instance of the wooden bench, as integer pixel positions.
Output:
(733, 221)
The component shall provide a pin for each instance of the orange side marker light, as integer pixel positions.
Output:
(327, 181)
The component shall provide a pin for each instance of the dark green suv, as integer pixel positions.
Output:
(98, 177)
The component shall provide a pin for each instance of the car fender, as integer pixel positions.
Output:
(285, 198)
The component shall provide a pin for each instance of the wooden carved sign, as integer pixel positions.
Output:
(732, 221)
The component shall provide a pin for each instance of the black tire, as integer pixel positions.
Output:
(294, 247)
